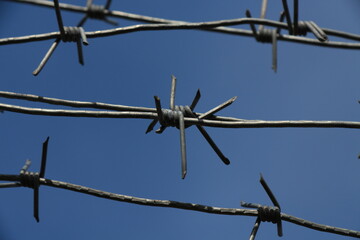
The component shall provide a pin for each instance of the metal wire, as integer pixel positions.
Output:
(198, 119)
(200, 26)
(183, 205)
(233, 31)
(213, 121)
(166, 24)
(101, 12)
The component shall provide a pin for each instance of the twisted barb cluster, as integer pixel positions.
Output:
(174, 117)
(67, 34)
(30, 179)
(97, 12)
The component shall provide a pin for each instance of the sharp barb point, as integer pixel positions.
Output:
(151, 125)
(218, 108)
(269, 192)
(59, 18)
(44, 157)
(172, 92)
(108, 3)
(195, 100)
(36, 203)
(182, 144)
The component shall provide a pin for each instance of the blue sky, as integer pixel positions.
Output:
(313, 172)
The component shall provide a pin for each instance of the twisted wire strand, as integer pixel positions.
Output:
(217, 26)
(96, 105)
(183, 205)
(149, 19)
(69, 103)
(216, 121)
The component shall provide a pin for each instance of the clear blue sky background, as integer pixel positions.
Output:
(314, 173)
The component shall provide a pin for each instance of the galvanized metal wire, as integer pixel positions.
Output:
(217, 26)
(180, 205)
(207, 119)
(200, 26)
(122, 111)
(156, 24)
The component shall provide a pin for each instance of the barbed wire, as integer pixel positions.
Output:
(296, 30)
(188, 120)
(180, 117)
(122, 111)
(233, 31)
(263, 213)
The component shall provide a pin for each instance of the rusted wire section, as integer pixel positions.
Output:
(179, 205)
(122, 111)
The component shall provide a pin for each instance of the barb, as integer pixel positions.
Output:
(175, 117)
(296, 16)
(31, 179)
(96, 12)
(266, 35)
(67, 34)
(281, 19)
(288, 18)
(183, 205)
(263, 12)
(266, 213)
(301, 28)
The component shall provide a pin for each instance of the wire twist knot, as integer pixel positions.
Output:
(171, 118)
(96, 11)
(269, 214)
(73, 34)
(29, 179)
(266, 213)
(310, 26)
(302, 28)
(265, 35)
(175, 117)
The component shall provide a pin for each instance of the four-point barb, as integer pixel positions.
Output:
(265, 35)
(174, 117)
(266, 213)
(31, 179)
(67, 34)
(96, 12)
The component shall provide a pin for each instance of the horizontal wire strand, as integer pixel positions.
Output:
(187, 26)
(192, 121)
(98, 105)
(143, 18)
(173, 25)
(183, 205)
